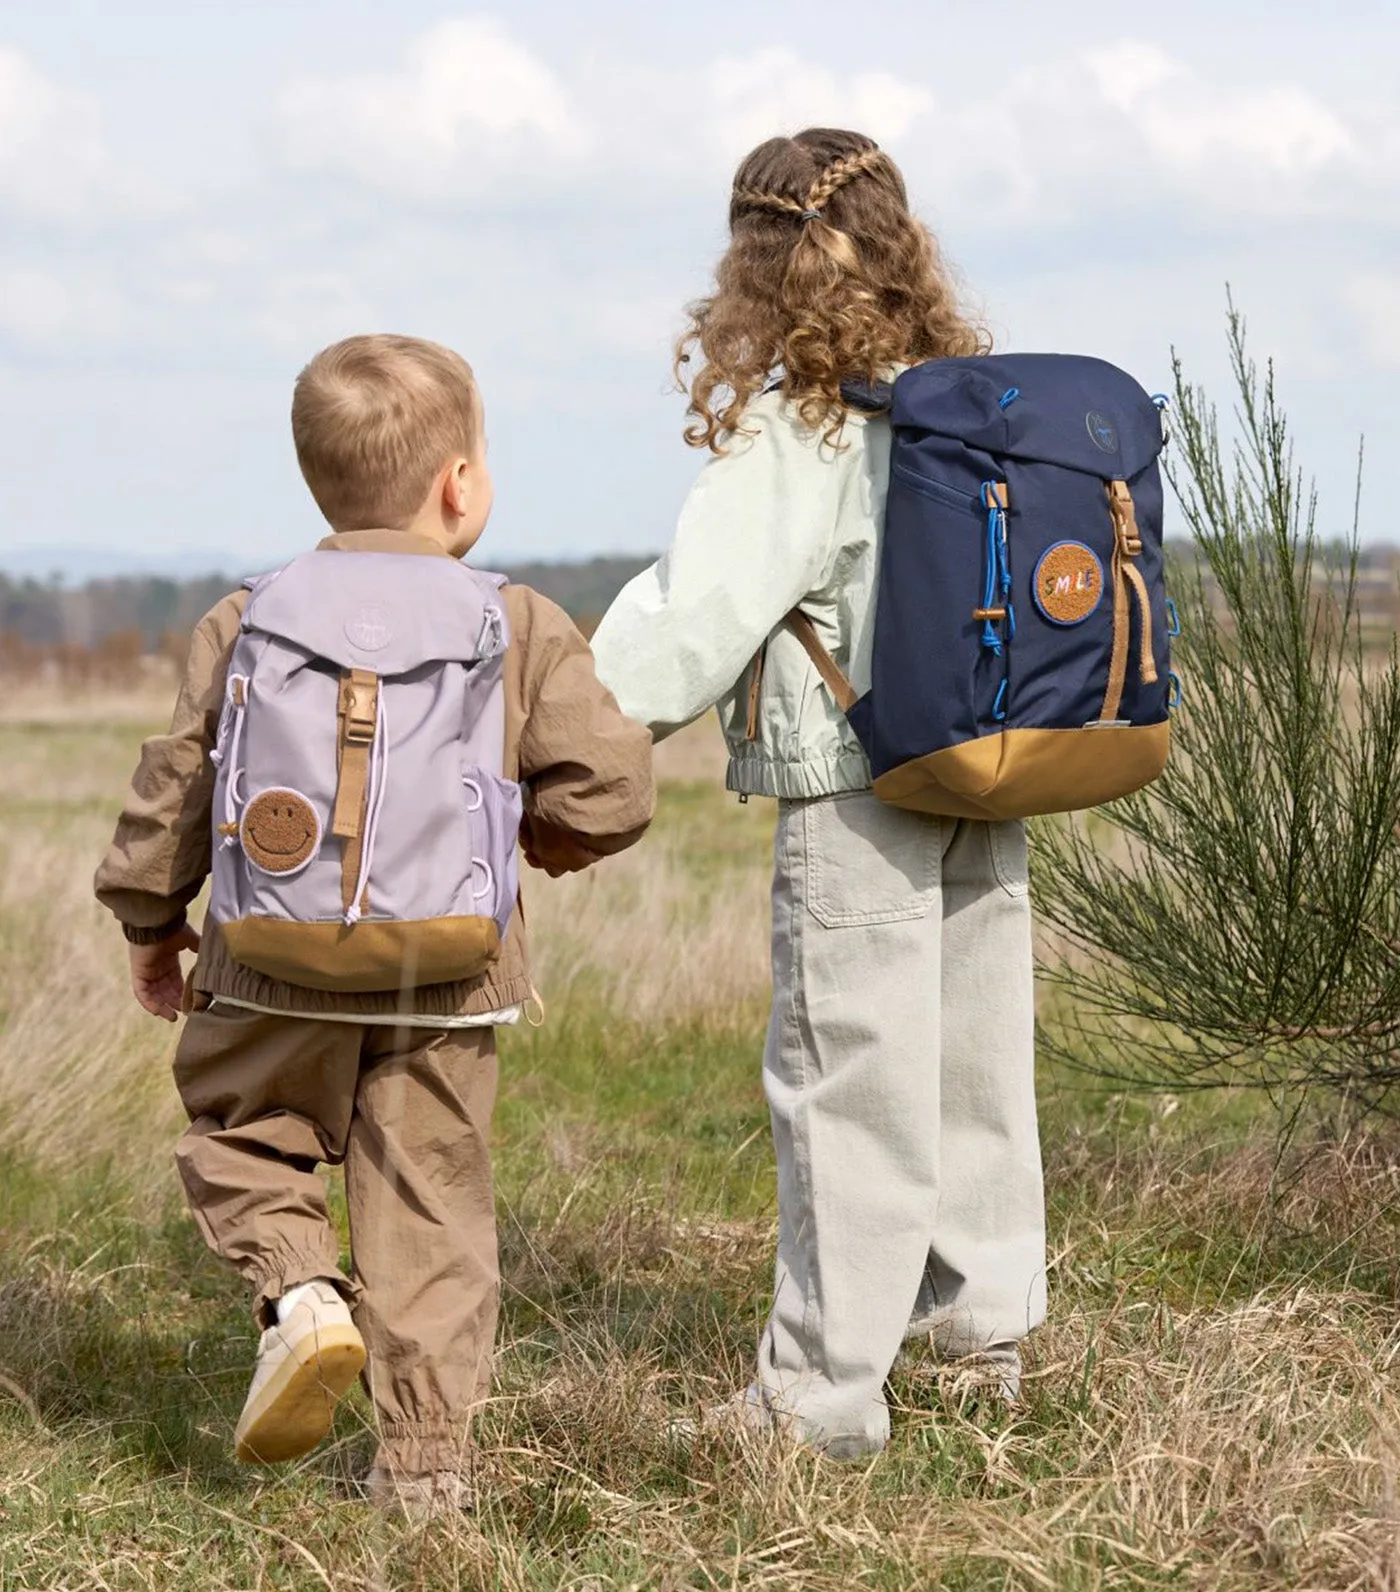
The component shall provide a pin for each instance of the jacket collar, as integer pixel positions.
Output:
(381, 542)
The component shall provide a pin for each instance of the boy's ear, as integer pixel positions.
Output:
(457, 487)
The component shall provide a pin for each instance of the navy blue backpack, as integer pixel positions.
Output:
(1021, 626)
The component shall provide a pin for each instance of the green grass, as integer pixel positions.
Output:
(1211, 1405)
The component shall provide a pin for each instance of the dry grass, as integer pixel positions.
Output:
(1213, 1405)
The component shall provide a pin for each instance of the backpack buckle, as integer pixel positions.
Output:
(359, 707)
(1120, 502)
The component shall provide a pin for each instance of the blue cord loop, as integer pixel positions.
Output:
(1160, 399)
(1173, 690)
(1173, 620)
(1008, 398)
(999, 706)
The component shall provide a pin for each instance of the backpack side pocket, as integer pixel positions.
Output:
(494, 809)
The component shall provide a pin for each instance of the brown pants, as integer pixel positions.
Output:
(408, 1111)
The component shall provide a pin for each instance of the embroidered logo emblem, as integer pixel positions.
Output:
(1068, 583)
(1102, 432)
(369, 630)
(281, 831)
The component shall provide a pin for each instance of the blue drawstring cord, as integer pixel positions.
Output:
(1008, 398)
(1004, 558)
(991, 637)
(1173, 620)
(997, 584)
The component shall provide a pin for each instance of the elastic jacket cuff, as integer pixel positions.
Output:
(135, 936)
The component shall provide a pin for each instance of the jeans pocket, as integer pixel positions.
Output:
(867, 862)
(1010, 861)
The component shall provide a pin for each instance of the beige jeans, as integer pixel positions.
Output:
(408, 1112)
(900, 1074)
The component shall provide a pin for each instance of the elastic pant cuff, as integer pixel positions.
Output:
(408, 1448)
(280, 1276)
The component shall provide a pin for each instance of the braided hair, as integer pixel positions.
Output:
(836, 176)
(828, 275)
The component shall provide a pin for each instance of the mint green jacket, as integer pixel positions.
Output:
(781, 520)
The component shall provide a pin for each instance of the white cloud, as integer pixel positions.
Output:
(1081, 139)
(550, 206)
(1196, 128)
(1129, 71)
(775, 91)
(466, 101)
(52, 157)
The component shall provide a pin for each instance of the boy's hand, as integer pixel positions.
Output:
(556, 851)
(157, 979)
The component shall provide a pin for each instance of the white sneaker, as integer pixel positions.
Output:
(307, 1359)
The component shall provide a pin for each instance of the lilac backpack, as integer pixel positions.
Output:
(364, 832)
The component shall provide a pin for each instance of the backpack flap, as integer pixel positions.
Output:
(1070, 410)
(391, 613)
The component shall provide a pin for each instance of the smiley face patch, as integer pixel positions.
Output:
(281, 831)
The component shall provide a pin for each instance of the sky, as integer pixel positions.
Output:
(195, 196)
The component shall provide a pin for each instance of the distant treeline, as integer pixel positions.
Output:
(150, 612)
(109, 627)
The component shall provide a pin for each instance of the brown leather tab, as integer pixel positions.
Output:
(826, 666)
(998, 491)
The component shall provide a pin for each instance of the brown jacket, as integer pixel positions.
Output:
(584, 767)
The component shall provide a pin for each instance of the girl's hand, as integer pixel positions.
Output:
(157, 979)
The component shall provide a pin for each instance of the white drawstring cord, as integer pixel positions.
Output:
(237, 688)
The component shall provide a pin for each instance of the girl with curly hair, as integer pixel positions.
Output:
(899, 1065)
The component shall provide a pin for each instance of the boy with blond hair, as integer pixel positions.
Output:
(365, 1037)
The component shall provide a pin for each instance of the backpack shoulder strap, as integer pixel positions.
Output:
(826, 666)
(868, 397)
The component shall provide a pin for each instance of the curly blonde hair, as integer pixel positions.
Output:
(828, 276)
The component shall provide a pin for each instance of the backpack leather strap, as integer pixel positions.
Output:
(826, 666)
(357, 717)
(755, 691)
(1127, 585)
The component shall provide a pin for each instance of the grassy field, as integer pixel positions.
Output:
(1213, 1404)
